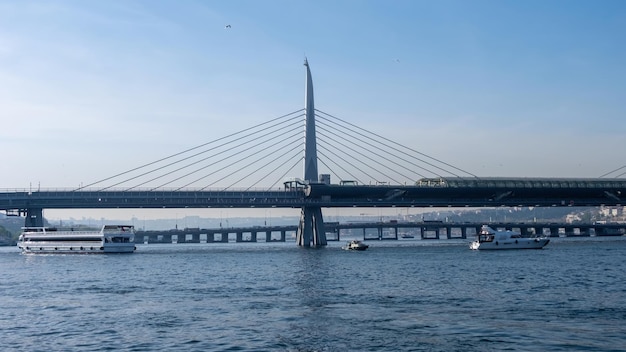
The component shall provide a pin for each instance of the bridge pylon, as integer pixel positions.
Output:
(311, 231)
(34, 217)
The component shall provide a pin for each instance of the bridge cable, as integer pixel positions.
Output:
(374, 152)
(341, 167)
(227, 166)
(392, 148)
(371, 159)
(223, 159)
(271, 161)
(243, 167)
(187, 150)
(610, 172)
(282, 177)
(346, 161)
(370, 144)
(413, 150)
(245, 156)
(330, 169)
(204, 159)
(201, 160)
(295, 156)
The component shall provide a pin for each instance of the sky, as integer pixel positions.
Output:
(497, 88)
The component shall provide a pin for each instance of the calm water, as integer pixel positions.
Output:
(397, 296)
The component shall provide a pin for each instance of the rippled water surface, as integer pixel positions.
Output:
(396, 296)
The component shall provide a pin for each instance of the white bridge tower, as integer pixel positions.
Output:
(311, 231)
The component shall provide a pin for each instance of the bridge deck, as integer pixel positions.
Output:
(455, 192)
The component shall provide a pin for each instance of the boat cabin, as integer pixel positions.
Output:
(487, 234)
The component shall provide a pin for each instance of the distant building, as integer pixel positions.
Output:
(571, 218)
(325, 179)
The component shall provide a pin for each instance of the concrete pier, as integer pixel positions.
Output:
(270, 234)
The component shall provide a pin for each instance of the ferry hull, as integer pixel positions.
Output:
(38, 248)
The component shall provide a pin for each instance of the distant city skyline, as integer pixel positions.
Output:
(226, 213)
(498, 88)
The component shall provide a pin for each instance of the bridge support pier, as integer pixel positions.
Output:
(554, 232)
(311, 231)
(34, 217)
(269, 238)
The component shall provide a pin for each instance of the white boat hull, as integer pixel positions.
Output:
(355, 248)
(490, 239)
(520, 243)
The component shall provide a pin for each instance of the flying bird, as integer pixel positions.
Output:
(227, 26)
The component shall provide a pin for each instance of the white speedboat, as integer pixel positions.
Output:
(355, 245)
(489, 238)
(46, 240)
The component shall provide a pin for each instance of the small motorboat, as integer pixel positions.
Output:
(489, 238)
(355, 245)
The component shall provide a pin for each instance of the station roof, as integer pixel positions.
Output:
(521, 182)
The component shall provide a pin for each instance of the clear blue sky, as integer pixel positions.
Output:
(498, 88)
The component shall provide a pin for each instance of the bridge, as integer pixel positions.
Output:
(377, 231)
(442, 192)
(371, 170)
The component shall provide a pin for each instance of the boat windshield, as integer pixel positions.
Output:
(485, 238)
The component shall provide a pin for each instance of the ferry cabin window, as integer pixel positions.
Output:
(116, 239)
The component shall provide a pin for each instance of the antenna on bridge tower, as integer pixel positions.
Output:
(311, 231)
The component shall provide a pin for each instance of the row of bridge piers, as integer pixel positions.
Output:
(440, 230)
(335, 231)
(215, 236)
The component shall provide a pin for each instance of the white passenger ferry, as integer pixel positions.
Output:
(47, 240)
(489, 238)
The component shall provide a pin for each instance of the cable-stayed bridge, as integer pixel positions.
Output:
(309, 159)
